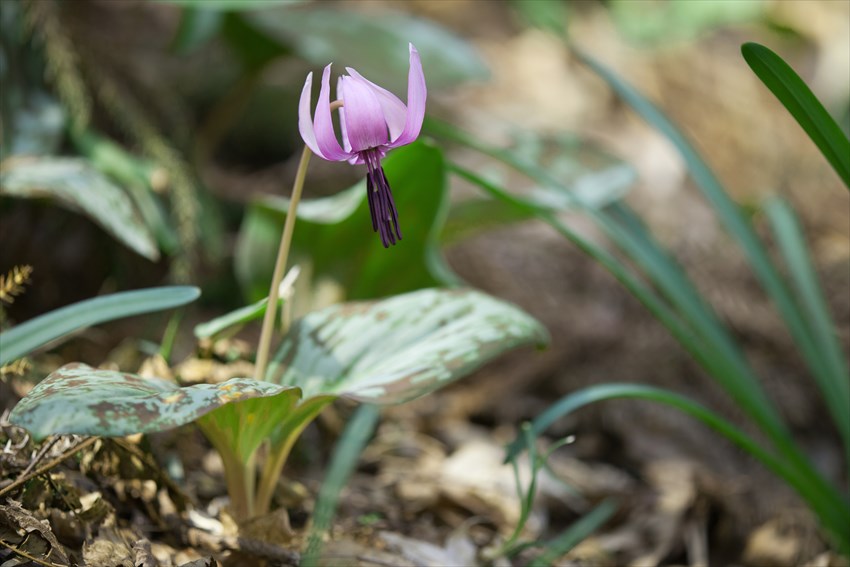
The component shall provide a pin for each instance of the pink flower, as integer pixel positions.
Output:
(373, 121)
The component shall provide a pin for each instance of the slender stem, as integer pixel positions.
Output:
(282, 257)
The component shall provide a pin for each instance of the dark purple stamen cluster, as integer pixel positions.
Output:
(381, 204)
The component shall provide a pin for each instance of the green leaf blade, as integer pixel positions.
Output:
(26, 337)
(796, 96)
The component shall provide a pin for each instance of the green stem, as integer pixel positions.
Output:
(282, 445)
(239, 477)
(280, 265)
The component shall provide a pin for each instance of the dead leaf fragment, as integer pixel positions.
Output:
(20, 528)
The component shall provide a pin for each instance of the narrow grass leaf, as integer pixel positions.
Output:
(24, 338)
(576, 533)
(737, 225)
(235, 318)
(832, 508)
(346, 453)
(835, 386)
(803, 105)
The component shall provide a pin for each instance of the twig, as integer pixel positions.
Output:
(43, 469)
(41, 452)
(26, 555)
(258, 548)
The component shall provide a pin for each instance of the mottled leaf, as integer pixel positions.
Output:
(84, 400)
(80, 187)
(387, 351)
(400, 348)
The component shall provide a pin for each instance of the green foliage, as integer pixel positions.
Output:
(375, 43)
(575, 534)
(652, 274)
(570, 174)
(400, 348)
(87, 401)
(826, 500)
(26, 337)
(235, 318)
(134, 175)
(348, 449)
(549, 15)
(803, 105)
(223, 5)
(814, 352)
(76, 185)
(385, 351)
(659, 23)
(334, 239)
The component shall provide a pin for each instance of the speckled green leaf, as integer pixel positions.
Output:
(77, 185)
(84, 400)
(400, 348)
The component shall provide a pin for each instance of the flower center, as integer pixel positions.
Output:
(381, 204)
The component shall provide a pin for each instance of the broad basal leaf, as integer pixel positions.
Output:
(333, 237)
(400, 348)
(84, 400)
(77, 185)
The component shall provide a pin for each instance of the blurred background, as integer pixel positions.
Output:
(148, 142)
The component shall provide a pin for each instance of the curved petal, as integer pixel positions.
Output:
(340, 94)
(305, 120)
(395, 112)
(417, 93)
(364, 119)
(323, 125)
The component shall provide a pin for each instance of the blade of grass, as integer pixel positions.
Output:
(793, 246)
(618, 269)
(829, 504)
(347, 451)
(701, 332)
(576, 533)
(26, 337)
(803, 105)
(738, 226)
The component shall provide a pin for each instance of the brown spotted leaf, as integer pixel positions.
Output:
(84, 400)
(400, 348)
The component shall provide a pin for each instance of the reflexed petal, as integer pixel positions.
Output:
(364, 119)
(305, 120)
(323, 125)
(395, 113)
(341, 95)
(417, 93)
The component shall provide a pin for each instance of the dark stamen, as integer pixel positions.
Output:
(381, 204)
